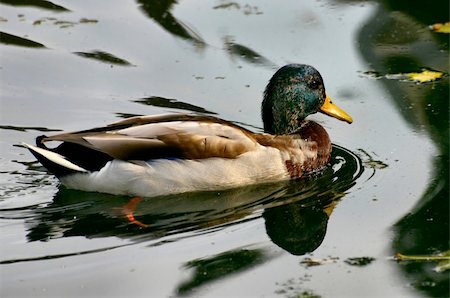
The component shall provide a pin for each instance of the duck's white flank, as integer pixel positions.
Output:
(169, 176)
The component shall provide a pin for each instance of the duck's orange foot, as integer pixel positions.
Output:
(128, 210)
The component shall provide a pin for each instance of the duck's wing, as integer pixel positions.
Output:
(161, 136)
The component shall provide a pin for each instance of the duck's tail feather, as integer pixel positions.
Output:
(54, 162)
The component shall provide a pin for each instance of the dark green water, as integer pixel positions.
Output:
(69, 65)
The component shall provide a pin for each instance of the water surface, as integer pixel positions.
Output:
(74, 65)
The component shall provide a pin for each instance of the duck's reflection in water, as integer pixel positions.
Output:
(297, 229)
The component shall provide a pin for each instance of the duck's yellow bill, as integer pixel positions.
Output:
(333, 110)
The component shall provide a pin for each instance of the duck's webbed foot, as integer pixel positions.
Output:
(129, 208)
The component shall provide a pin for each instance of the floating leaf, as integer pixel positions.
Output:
(425, 76)
(441, 28)
(443, 265)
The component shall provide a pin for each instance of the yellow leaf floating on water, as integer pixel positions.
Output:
(441, 28)
(425, 76)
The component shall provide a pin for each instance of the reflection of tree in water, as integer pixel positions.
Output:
(171, 103)
(397, 40)
(159, 11)
(42, 4)
(246, 54)
(220, 266)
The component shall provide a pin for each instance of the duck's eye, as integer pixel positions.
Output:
(314, 84)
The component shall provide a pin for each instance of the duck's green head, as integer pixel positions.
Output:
(294, 92)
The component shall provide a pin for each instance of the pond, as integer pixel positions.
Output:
(73, 65)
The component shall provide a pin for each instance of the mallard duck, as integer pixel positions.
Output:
(173, 153)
